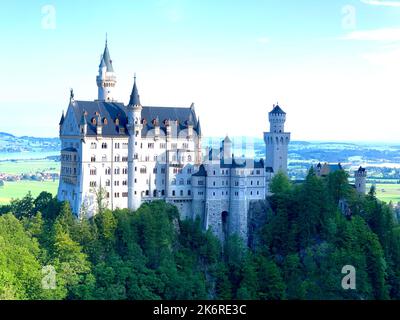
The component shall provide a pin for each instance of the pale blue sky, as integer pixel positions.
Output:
(332, 65)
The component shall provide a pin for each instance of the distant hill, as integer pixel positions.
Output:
(10, 143)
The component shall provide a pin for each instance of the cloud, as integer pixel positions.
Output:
(382, 3)
(385, 34)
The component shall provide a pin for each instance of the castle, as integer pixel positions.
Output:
(121, 156)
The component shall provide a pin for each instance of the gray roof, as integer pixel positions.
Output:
(202, 172)
(277, 110)
(107, 60)
(62, 119)
(163, 114)
(135, 98)
(110, 111)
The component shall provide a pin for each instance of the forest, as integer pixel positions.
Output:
(297, 252)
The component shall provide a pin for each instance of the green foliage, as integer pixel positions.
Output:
(301, 248)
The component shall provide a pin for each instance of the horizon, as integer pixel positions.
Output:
(368, 143)
(333, 69)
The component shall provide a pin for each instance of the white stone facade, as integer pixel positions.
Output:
(137, 154)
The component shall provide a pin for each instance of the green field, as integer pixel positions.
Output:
(387, 192)
(29, 166)
(17, 190)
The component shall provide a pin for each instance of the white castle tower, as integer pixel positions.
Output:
(277, 141)
(134, 129)
(106, 80)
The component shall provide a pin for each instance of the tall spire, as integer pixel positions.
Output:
(106, 58)
(135, 98)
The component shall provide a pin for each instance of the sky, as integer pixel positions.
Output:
(333, 66)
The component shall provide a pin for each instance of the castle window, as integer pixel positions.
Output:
(125, 194)
(213, 194)
(116, 194)
(189, 193)
(117, 158)
(258, 172)
(124, 183)
(116, 171)
(116, 183)
(150, 145)
(155, 170)
(116, 145)
(173, 182)
(93, 184)
(108, 183)
(93, 159)
(104, 158)
(181, 193)
(173, 193)
(185, 146)
(214, 183)
(93, 145)
(104, 145)
(143, 170)
(181, 182)
(108, 171)
(189, 158)
(163, 192)
(189, 182)
(155, 193)
(108, 195)
(125, 171)
(163, 170)
(93, 171)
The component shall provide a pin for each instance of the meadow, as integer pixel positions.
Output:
(387, 192)
(18, 189)
(29, 166)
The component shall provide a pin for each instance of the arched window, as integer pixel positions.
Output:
(104, 158)
(143, 170)
(108, 171)
(116, 171)
(93, 145)
(108, 183)
(93, 171)
(117, 158)
(104, 145)
(93, 158)
(189, 158)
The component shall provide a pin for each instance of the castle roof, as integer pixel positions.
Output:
(202, 172)
(62, 119)
(111, 111)
(277, 110)
(135, 98)
(106, 60)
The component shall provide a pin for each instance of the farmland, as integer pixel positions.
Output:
(18, 189)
